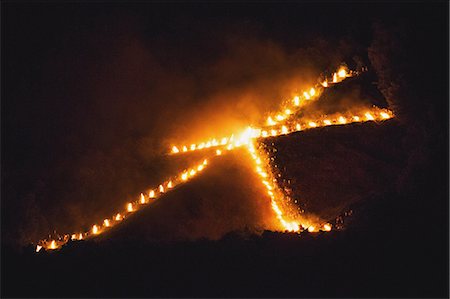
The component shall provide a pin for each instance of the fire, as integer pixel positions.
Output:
(384, 115)
(306, 95)
(38, 248)
(95, 229)
(279, 200)
(327, 227)
(184, 176)
(130, 207)
(368, 116)
(53, 245)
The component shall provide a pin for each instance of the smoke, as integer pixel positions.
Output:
(110, 99)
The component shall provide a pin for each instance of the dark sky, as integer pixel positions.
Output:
(93, 93)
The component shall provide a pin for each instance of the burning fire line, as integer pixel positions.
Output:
(281, 124)
(130, 208)
(289, 108)
(280, 202)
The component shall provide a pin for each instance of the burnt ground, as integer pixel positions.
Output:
(392, 245)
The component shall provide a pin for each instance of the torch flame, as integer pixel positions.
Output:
(175, 149)
(130, 207)
(38, 248)
(142, 198)
(151, 194)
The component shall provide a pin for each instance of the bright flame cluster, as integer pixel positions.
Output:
(131, 207)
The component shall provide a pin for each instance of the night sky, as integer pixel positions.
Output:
(93, 95)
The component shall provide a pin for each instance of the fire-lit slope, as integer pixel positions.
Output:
(226, 197)
(330, 168)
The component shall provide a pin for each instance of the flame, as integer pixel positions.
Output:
(106, 223)
(342, 73)
(325, 83)
(38, 248)
(95, 229)
(184, 149)
(161, 188)
(342, 120)
(312, 92)
(327, 227)
(306, 95)
(169, 185)
(151, 194)
(142, 198)
(175, 150)
(53, 245)
(334, 78)
(130, 207)
(287, 111)
(298, 127)
(311, 229)
(296, 101)
(184, 176)
(118, 216)
(312, 124)
(368, 116)
(218, 152)
(280, 117)
(327, 122)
